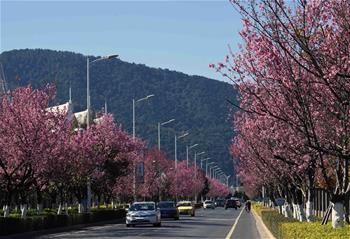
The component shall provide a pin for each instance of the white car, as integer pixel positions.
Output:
(208, 204)
(143, 213)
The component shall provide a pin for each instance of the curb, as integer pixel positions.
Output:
(34, 234)
(262, 229)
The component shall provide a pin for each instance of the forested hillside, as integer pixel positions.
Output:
(197, 103)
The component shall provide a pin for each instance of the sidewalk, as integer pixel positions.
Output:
(263, 230)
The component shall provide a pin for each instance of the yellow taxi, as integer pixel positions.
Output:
(186, 207)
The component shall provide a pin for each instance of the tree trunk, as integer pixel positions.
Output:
(294, 211)
(301, 212)
(338, 215)
(24, 211)
(59, 210)
(80, 208)
(309, 211)
(6, 210)
(39, 207)
(66, 208)
(286, 209)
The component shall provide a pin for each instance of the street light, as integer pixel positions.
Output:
(227, 177)
(216, 171)
(162, 124)
(133, 111)
(211, 170)
(195, 158)
(134, 135)
(176, 138)
(195, 171)
(202, 160)
(88, 113)
(187, 149)
(88, 84)
(206, 168)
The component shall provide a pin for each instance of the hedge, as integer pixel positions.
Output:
(12, 225)
(289, 228)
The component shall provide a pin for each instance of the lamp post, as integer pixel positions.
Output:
(195, 171)
(88, 106)
(175, 157)
(88, 63)
(202, 160)
(214, 172)
(134, 135)
(176, 138)
(162, 124)
(211, 171)
(227, 177)
(187, 150)
(195, 160)
(206, 168)
(133, 111)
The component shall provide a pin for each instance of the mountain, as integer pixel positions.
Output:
(198, 104)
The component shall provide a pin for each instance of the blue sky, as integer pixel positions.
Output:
(179, 35)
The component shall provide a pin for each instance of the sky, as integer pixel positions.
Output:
(184, 36)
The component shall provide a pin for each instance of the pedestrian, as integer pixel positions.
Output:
(248, 206)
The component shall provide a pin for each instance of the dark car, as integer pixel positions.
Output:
(168, 210)
(219, 202)
(230, 203)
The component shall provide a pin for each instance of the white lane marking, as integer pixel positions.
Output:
(228, 236)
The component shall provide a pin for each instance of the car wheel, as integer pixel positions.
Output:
(192, 215)
(176, 218)
(127, 225)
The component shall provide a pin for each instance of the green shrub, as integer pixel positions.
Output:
(258, 207)
(289, 228)
(314, 230)
(48, 219)
(273, 220)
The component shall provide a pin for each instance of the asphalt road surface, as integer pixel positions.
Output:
(208, 223)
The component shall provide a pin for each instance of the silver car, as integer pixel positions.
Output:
(143, 213)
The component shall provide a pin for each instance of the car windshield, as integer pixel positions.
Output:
(208, 202)
(142, 207)
(166, 205)
(184, 204)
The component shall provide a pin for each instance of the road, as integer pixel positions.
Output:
(218, 223)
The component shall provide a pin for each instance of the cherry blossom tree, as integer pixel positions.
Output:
(156, 169)
(293, 70)
(29, 137)
(217, 189)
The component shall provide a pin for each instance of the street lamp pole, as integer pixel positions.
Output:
(187, 150)
(88, 63)
(206, 168)
(202, 160)
(134, 135)
(162, 124)
(133, 113)
(195, 171)
(227, 177)
(175, 154)
(211, 171)
(88, 106)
